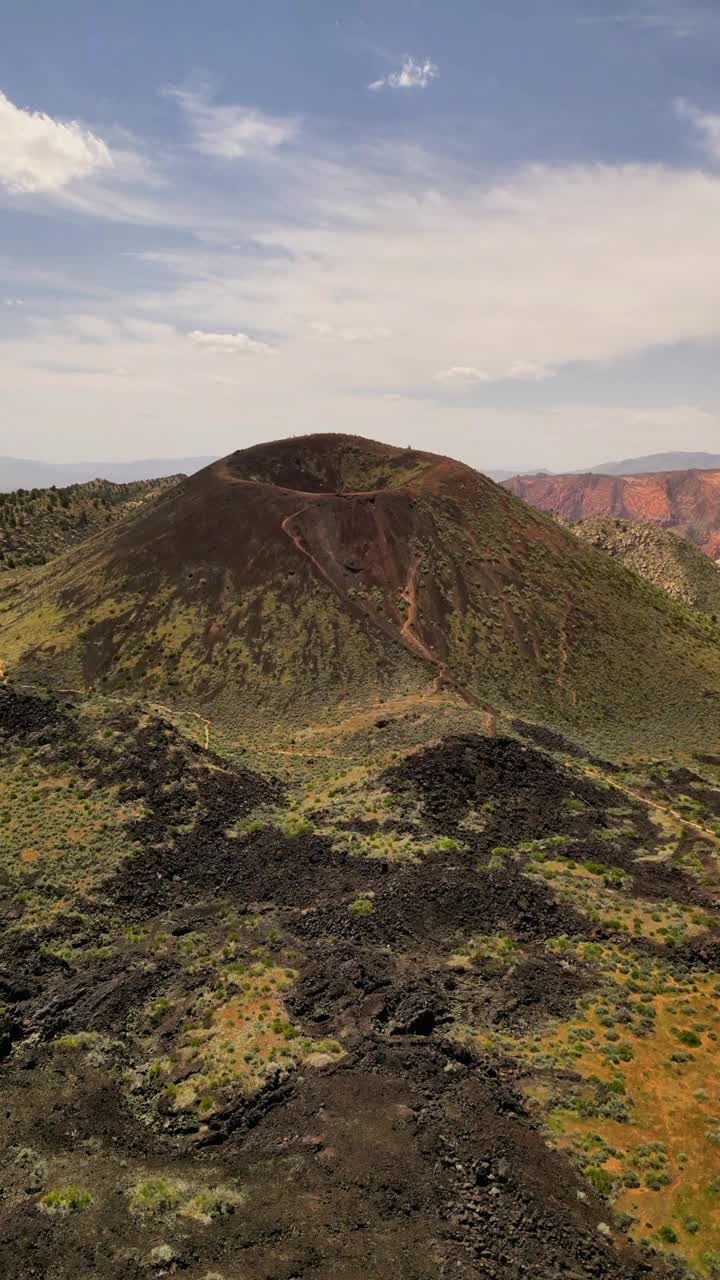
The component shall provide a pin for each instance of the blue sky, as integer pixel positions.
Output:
(486, 228)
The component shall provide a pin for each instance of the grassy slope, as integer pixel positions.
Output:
(37, 524)
(662, 557)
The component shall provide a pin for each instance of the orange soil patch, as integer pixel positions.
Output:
(393, 709)
(249, 1029)
(675, 1104)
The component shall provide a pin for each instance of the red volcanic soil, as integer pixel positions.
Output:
(357, 516)
(350, 507)
(687, 501)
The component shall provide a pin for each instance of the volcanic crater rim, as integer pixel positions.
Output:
(327, 465)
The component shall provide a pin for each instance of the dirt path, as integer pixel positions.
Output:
(298, 540)
(411, 639)
(160, 706)
(655, 804)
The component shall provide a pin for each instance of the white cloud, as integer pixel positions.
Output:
(463, 374)
(518, 370)
(40, 154)
(706, 123)
(510, 280)
(526, 371)
(679, 19)
(406, 277)
(412, 75)
(328, 332)
(394, 265)
(234, 344)
(232, 132)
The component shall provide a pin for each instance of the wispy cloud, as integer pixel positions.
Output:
(41, 154)
(412, 75)
(464, 375)
(329, 333)
(706, 123)
(680, 19)
(378, 268)
(233, 344)
(233, 131)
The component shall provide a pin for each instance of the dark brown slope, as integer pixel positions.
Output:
(293, 576)
(686, 501)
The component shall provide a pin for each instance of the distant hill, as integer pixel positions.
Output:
(260, 587)
(658, 555)
(37, 524)
(26, 473)
(686, 501)
(677, 461)
(506, 473)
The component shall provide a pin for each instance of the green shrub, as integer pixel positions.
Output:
(362, 907)
(572, 805)
(156, 1196)
(690, 1038)
(217, 1202)
(70, 1199)
(601, 1179)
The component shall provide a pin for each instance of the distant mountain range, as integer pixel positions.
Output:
(27, 473)
(678, 461)
(30, 473)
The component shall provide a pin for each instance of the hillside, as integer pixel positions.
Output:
(393, 1001)
(38, 524)
(256, 589)
(359, 891)
(686, 501)
(662, 557)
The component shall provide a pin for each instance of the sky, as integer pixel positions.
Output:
(489, 228)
